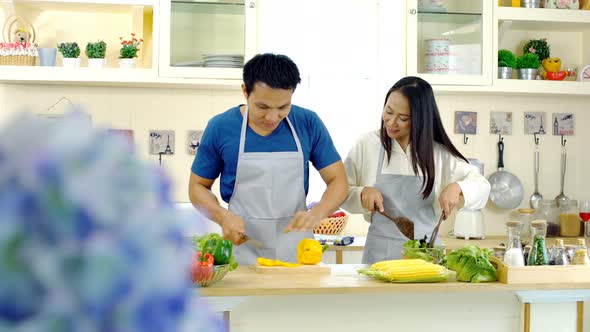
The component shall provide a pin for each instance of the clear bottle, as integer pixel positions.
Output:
(558, 254)
(525, 216)
(513, 255)
(581, 254)
(549, 212)
(569, 219)
(538, 254)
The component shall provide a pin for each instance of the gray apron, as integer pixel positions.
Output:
(402, 197)
(268, 191)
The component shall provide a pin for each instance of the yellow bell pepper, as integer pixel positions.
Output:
(274, 262)
(309, 251)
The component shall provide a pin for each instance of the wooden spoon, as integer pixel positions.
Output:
(405, 225)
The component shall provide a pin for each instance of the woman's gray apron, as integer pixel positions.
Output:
(268, 191)
(402, 197)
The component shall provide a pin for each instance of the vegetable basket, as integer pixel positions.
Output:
(331, 226)
(17, 53)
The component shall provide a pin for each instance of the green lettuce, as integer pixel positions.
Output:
(472, 264)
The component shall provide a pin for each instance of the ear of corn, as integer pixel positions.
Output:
(407, 270)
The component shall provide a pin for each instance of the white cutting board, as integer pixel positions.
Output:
(303, 269)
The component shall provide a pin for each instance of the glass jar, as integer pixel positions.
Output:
(513, 255)
(549, 212)
(569, 218)
(538, 254)
(525, 216)
(558, 254)
(581, 254)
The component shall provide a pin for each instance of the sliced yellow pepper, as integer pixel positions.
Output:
(274, 262)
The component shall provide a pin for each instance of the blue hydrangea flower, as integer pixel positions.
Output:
(89, 237)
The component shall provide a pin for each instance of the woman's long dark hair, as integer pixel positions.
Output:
(426, 128)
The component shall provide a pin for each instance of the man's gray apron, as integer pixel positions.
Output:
(402, 197)
(268, 191)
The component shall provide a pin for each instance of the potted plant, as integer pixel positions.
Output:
(96, 53)
(540, 47)
(128, 53)
(70, 53)
(527, 65)
(506, 61)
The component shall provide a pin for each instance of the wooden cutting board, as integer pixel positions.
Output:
(303, 269)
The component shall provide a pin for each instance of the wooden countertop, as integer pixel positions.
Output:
(245, 281)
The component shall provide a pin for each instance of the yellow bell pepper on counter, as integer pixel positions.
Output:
(309, 251)
(274, 262)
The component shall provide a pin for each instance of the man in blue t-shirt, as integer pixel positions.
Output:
(261, 152)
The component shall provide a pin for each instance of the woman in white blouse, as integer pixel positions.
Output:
(402, 167)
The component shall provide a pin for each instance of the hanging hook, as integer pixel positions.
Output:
(563, 141)
(500, 138)
(465, 138)
(535, 138)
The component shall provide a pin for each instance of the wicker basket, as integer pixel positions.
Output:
(331, 226)
(26, 53)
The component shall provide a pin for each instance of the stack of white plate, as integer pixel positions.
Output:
(224, 60)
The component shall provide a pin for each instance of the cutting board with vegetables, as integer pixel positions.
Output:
(301, 269)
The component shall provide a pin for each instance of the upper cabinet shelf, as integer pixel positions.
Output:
(542, 19)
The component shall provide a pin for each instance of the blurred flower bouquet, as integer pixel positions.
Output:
(88, 235)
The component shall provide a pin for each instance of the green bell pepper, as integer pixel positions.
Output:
(221, 249)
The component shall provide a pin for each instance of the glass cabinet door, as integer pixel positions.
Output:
(206, 39)
(450, 41)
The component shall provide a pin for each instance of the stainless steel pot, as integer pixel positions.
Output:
(506, 192)
(505, 72)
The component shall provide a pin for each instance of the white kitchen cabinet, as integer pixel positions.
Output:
(449, 42)
(206, 39)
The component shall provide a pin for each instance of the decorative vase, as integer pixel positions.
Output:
(527, 74)
(47, 56)
(96, 63)
(530, 3)
(71, 62)
(127, 63)
(505, 72)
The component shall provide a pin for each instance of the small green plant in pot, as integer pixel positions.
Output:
(540, 47)
(96, 53)
(70, 53)
(128, 52)
(527, 65)
(506, 61)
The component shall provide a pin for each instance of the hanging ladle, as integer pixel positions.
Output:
(536, 196)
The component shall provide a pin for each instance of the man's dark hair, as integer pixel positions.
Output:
(276, 70)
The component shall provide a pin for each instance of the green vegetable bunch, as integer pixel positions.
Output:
(540, 47)
(220, 248)
(506, 59)
(418, 249)
(472, 264)
(528, 60)
(69, 50)
(96, 50)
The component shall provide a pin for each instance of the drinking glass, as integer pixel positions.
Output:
(584, 211)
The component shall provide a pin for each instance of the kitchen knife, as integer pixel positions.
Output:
(255, 243)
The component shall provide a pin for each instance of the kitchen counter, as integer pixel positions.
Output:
(346, 301)
(245, 281)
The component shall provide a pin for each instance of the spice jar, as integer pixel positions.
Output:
(569, 219)
(581, 254)
(513, 255)
(558, 254)
(549, 212)
(538, 254)
(525, 216)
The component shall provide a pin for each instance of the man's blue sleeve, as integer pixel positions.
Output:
(208, 162)
(323, 151)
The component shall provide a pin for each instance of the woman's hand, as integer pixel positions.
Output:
(449, 198)
(371, 199)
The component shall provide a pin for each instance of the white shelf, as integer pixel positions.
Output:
(544, 19)
(113, 6)
(509, 87)
(106, 77)
(89, 2)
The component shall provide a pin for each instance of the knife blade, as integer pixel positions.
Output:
(253, 242)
